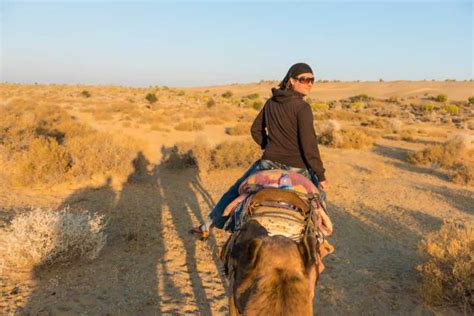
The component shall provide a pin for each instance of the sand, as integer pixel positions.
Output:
(381, 207)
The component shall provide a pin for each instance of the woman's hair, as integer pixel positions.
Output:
(293, 72)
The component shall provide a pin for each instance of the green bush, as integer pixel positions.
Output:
(151, 97)
(210, 103)
(441, 98)
(257, 105)
(319, 106)
(252, 96)
(471, 100)
(360, 97)
(427, 107)
(228, 94)
(450, 108)
(86, 94)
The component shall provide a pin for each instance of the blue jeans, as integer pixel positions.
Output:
(215, 216)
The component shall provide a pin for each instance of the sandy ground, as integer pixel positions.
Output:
(381, 207)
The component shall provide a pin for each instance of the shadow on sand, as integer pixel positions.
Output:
(132, 274)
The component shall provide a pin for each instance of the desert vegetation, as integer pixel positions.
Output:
(139, 166)
(447, 273)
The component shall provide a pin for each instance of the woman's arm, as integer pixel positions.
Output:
(258, 132)
(309, 142)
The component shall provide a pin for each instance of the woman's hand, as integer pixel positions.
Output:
(324, 185)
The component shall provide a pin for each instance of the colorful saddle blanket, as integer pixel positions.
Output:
(277, 178)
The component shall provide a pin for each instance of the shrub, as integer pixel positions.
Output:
(46, 237)
(86, 94)
(357, 105)
(407, 135)
(151, 98)
(228, 94)
(210, 103)
(252, 96)
(444, 155)
(441, 98)
(463, 174)
(450, 108)
(344, 138)
(447, 273)
(360, 98)
(232, 154)
(471, 100)
(189, 126)
(427, 107)
(100, 154)
(44, 162)
(319, 106)
(257, 105)
(180, 93)
(392, 99)
(239, 129)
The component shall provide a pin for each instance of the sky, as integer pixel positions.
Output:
(196, 43)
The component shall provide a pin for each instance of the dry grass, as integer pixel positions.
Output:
(463, 173)
(230, 154)
(447, 275)
(443, 155)
(43, 145)
(189, 126)
(333, 136)
(239, 129)
(46, 237)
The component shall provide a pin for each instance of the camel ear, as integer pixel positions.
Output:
(307, 248)
(252, 252)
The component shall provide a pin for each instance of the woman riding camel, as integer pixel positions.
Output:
(284, 130)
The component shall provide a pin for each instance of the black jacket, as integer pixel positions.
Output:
(284, 129)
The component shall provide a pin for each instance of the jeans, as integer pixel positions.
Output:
(215, 216)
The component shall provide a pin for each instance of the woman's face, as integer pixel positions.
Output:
(303, 83)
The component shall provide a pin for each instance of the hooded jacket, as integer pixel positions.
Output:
(284, 129)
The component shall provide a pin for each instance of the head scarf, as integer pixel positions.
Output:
(293, 72)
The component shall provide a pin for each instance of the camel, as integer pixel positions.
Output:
(270, 275)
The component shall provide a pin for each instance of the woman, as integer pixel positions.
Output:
(284, 129)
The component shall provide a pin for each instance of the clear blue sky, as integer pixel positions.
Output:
(208, 43)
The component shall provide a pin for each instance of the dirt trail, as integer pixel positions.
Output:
(380, 205)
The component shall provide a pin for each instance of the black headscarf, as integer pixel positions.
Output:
(293, 72)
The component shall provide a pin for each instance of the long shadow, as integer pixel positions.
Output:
(401, 155)
(181, 189)
(462, 199)
(373, 266)
(123, 279)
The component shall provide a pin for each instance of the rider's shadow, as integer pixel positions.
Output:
(182, 192)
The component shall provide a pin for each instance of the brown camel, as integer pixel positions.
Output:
(270, 275)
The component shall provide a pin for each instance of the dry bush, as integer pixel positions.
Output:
(377, 122)
(444, 155)
(407, 135)
(189, 126)
(43, 145)
(46, 237)
(447, 275)
(214, 121)
(234, 154)
(189, 154)
(333, 136)
(45, 162)
(231, 154)
(102, 154)
(239, 129)
(463, 173)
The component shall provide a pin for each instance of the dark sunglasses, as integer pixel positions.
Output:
(305, 80)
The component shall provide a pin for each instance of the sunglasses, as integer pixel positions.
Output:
(305, 80)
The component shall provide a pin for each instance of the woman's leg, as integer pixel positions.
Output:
(215, 216)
